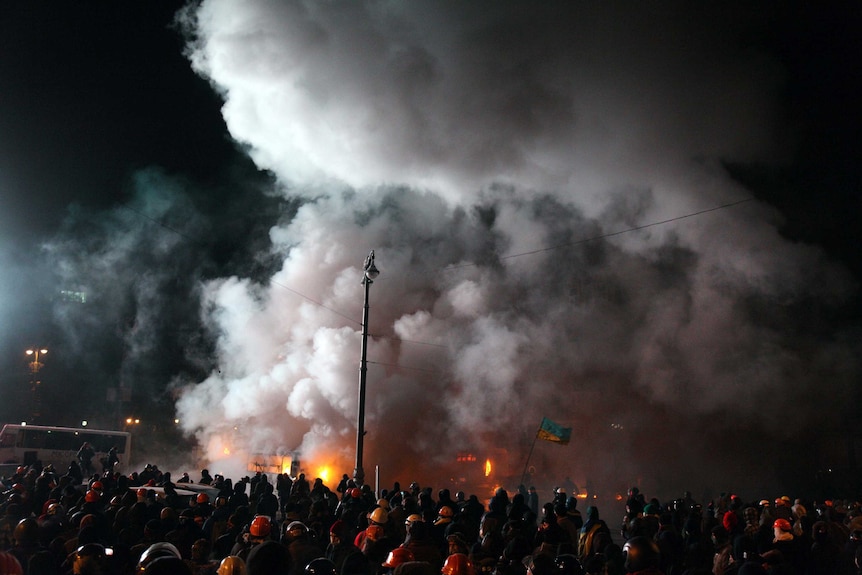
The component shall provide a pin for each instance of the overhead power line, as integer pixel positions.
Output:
(455, 267)
(605, 236)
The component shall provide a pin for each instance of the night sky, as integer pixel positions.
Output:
(213, 181)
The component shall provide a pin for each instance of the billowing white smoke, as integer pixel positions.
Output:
(451, 136)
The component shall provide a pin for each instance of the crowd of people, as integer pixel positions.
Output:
(145, 522)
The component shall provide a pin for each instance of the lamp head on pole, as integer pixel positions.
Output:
(371, 271)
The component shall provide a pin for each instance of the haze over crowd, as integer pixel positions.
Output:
(546, 189)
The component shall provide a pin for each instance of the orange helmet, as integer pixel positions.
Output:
(412, 518)
(458, 564)
(260, 526)
(26, 532)
(398, 556)
(203, 498)
(232, 565)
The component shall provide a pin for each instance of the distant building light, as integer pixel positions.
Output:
(73, 296)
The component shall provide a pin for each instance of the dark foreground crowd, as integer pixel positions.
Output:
(145, 522)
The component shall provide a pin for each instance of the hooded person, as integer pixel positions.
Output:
(376, 547)
(422, 545)
(346, 556)
(592, 526)
(722, 558)
(269, 558)
(300, 546)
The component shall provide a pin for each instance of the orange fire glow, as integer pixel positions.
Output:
(487, 468)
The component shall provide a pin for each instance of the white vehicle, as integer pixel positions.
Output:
(28, 444)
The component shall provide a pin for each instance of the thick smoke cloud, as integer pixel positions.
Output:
(490, 153)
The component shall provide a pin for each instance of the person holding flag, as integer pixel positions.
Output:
(549, 431)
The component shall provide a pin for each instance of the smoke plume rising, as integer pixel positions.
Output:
(491, 153)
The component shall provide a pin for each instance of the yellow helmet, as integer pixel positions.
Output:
(379, 516)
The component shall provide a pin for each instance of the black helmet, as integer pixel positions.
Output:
(91, 550)
(568, 564)
(320, 566)
(157, 551)
(293, 531)
(641, 553)
(88, 557)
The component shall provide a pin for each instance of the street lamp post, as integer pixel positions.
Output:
(35, 366)
(370, 273)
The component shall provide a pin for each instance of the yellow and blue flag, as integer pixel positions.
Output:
(551, 431)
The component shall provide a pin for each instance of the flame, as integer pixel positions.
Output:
(324, 472)
(226, 451)
(487, 467)
(285, 466)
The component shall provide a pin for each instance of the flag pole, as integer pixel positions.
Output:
(529, 455)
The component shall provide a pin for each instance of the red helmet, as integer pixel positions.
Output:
(19, 487)
(374, 532)
(203, 498)
(458, 564)
(141, 492)
(782, 524)
(92, 496)
(354, 492)
(97, 485)
(260, 526)
(9, 564)
(398, 556)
